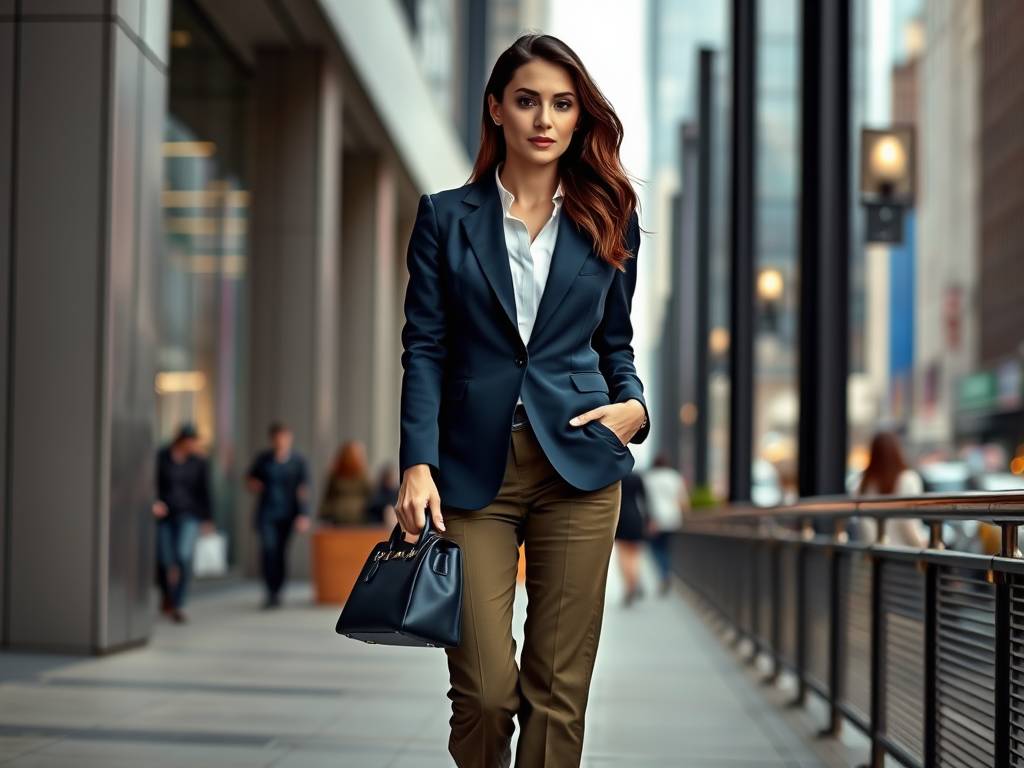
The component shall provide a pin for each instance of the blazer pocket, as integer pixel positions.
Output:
(607, 433)
(589, 382)
(455, 389)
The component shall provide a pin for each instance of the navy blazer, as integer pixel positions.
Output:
(466, 365)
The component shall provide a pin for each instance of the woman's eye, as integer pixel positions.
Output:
(525, 102)
(563, 104)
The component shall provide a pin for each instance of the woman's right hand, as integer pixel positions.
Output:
(418, 494)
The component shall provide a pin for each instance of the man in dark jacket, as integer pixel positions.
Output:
(281, 481)
(182, 508)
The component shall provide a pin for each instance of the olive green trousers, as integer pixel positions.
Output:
(569, 536)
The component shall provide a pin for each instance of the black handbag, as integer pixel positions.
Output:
(407, 594)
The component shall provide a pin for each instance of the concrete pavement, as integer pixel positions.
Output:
(246, 688)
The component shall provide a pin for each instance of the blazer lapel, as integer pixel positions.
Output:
(571, 250)
(485, 230)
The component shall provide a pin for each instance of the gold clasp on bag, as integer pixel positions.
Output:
(398, 555)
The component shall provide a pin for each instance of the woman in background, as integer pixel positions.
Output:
(629, 534)
(348, 488)
(889, 474)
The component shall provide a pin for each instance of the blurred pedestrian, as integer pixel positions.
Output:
(382, 503)
(348, 487)
(281, 481)
(889, 474)
(667, 500)
(182, 508)
(629, 534)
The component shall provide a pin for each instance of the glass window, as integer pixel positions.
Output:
(202, 271)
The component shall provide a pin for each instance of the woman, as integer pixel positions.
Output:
(888, 474)
(520, 396)
(348, 488)
(629, 534)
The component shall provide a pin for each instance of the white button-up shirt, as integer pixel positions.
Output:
(530, 262)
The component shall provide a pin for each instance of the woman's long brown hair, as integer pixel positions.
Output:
(598, 195)
(885, 466)
(350, 461)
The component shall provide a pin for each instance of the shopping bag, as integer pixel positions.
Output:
(211, 555)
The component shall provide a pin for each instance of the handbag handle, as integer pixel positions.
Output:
(397, 537)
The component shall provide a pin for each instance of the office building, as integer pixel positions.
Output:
(204, 206)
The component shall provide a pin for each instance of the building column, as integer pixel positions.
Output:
(80, 178)
(372, 283)
(293, 302)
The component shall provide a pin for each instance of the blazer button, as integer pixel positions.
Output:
(520, 362)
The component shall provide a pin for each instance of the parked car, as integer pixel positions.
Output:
(945, 476)
(996, 481)
(766, 487)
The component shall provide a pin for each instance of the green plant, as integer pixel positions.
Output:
(703, 497)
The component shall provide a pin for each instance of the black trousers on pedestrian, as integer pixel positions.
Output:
(274, 538)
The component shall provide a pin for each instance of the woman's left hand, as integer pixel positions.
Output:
(624, 419)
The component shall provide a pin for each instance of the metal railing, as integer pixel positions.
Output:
(921, 649)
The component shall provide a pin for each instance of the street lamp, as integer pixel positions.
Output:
(886, 181)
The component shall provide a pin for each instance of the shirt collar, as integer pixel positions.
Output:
(507, 198)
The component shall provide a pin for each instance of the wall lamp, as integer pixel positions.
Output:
(887, 178)
(770, 287)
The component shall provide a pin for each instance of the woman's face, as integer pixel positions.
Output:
(538, 112)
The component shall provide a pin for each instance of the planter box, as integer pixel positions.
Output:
(339, 554)
(338, 557)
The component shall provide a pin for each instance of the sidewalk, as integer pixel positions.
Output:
(241, 687)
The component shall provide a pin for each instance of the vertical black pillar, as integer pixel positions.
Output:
(684, 286)
(670, 359)
(743, 222)
(824, 245)
(702, 326)
(476, 72)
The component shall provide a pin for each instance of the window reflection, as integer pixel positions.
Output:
(202, 272)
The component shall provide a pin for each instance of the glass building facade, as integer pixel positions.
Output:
(234, 184)
(202, 277)
(935, 352)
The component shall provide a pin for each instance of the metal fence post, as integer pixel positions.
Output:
(776, 592)
(877, 691)
(931, 664)
(1003, 671)
(835, 638)
(801, 615)
(754, 594)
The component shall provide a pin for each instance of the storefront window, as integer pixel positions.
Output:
(203, 266)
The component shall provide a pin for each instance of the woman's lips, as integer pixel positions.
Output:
(542, 142)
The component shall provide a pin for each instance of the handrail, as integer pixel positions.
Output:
(917, 648)
(985, 506)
